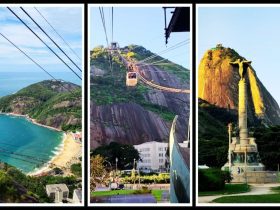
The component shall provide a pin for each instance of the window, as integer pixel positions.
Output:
(161, 160)
(160, 154)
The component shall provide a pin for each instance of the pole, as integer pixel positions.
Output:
(229, 142)
(246, 166)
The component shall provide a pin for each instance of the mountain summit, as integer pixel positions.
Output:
(218, 85)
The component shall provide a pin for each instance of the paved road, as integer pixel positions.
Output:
(146, 198)
(256, 189)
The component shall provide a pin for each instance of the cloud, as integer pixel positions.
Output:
(67, 21)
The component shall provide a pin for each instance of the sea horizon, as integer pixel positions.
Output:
(11, 82)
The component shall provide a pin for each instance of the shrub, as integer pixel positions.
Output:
(212, 179)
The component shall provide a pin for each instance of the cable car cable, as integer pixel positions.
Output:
(58, 33)
(44, 43)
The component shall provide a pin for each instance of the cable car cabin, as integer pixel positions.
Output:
(131, 79)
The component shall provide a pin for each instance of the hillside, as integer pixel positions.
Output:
(139, 114)
(17, 187)
(218, 85)
(48, 102)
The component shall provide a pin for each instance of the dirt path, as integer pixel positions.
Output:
(256, 189)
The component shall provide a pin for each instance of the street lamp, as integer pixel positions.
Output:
(116, 164)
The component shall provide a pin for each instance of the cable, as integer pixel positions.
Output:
(44, 43)
(112, 24)
(180, 44)
(57, 33)
(101, 11)
(50, 38)
(34, 62)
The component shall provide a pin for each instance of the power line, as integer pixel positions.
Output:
(44, 43)
(101, 11)
(57, 33)
(34, 61)
(50, 38)
(112, 24)
(180, 44)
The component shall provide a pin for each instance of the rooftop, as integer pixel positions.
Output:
(57, 187)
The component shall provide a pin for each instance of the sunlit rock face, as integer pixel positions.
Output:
(218, 84)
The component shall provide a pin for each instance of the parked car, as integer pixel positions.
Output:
(121, 187)
(114, 186)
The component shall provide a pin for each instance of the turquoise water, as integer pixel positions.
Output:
(25, 145)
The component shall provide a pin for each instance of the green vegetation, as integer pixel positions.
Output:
(268, 198)
(274, 197)
(157, 194)
(213, 137)
(212, 179)
(212, 134)
(112, 192)
(124, 152)
(15, 186)
(229, 189)
(268, 141)
(111, 87)
(49, 103)
(76, 169)
(141, 53)
(162, 178)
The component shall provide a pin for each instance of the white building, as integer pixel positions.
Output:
(152, 155)
(77, 196)
(58, 192)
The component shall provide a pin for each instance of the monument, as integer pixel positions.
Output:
(243, 158)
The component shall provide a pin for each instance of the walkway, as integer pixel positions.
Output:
(256, 189)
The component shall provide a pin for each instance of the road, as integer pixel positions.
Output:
(145, 198)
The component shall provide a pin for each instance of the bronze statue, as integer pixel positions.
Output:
(242, 70)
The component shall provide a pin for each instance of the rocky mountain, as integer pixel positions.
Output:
(218, 85)
(53, 103)
(138, 114)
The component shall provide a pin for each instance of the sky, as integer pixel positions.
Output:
(141, 26)
(66, 20)
(253, 32)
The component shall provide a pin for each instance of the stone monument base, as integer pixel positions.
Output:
(254, 173)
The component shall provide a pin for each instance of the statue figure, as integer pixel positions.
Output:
(242, 70)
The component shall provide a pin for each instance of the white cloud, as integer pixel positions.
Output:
(67, 21)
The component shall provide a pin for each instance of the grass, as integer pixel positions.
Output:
(156, 193)
(268, 198)
(229, 189)
(112, 192)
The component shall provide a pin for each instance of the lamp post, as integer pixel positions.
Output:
(116, 165)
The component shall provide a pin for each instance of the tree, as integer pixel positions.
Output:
(124, 152)
(98, 173)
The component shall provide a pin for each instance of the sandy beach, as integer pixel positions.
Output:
(32, 120)
(69, 154)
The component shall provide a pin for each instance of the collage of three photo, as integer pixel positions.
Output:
(139, 105)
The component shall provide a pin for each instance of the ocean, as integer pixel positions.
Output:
(11, 82)
(25, 145)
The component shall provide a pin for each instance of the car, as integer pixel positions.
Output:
(114, 186)
(121, 187)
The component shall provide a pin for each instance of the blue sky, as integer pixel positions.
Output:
(254, 32)
(138, 25)
(66, 20)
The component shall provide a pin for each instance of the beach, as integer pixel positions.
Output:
(70, 153)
